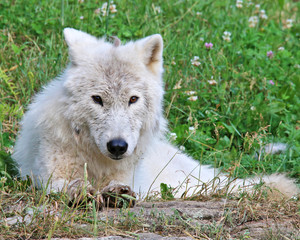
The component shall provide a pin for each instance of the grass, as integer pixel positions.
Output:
(27, 213)
(254, 100)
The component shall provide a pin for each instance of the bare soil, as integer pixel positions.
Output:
(206, 220)
(215, 218)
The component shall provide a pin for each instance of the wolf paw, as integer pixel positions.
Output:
(80, 194)
(118, 195)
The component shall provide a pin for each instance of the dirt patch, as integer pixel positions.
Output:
(204, 220)
(243, 218)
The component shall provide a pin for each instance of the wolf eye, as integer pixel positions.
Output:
(97, 99)
(133, 99)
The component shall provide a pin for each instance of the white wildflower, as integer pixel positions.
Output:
(104, 9)
(262, 14)
(113, 8)
(190, 93)
(178, 85)
(193, 98)
(212, 82)
(81, 17)
(294, 197)
(182, 148)
(253, 21)
(289, 23)
(191, 129)
(280, 48)
(257, 6)
(252, 108)
(195, 61)
(173, 136)
(226, 36)
(9, 149)
(239, 3)
(157, 9)
(173, 61)
(201, 39)
(97, 11)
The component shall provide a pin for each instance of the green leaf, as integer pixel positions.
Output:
(37, 28)
(281, 3)
(275, 107)
(166, 192)
(16, 49)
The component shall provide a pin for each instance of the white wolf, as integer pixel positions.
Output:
(106, 110)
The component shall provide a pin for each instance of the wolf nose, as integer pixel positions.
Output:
(117, 147)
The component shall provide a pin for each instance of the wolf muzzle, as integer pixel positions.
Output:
(117, 147)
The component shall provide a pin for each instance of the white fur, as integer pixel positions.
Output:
(64, 128)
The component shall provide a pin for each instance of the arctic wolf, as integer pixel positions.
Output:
(103, 119)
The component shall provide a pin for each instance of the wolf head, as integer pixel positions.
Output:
(114, 92)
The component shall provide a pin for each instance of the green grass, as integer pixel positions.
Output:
(232, 118)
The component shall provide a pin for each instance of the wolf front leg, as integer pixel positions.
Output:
(76, 187)
(59, 171)
(79, 188)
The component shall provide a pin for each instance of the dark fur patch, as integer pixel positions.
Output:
(77, 130)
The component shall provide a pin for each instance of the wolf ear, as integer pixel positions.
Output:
(151, 49)
(77, 42)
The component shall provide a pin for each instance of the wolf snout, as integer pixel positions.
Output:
(117, 147)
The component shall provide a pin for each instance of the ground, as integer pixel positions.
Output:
(214, 218)
(204, 215)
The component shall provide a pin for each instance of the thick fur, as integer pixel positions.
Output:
(64, 128)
